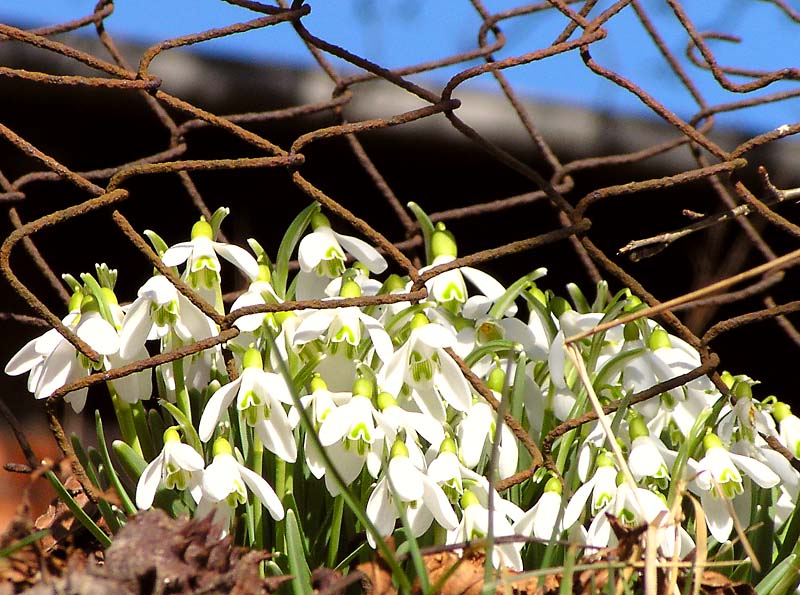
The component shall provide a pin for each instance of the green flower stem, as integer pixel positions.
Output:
(181, 392)
(126, 422)
(280, 490)
(336, 528)
(142, 426)
(258, 511)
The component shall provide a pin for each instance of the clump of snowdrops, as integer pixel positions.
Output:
(331, 428)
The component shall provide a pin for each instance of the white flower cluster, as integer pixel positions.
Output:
(393, 410)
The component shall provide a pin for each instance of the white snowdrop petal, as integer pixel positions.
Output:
(363, 252)
(99, 334)
(239, 257)
(405, 479)
(436, 500)
(148, 483)
(452, 385)
(312, 249)
(758, 471)
(263, 492)
(185, 456)
(718, 518)
(215, 409)
(434, 335)
(24, 360)
(313, 325)
(177, 254)
(135, 328)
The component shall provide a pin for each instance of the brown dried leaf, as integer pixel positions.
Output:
(377, 578)
(715, 583)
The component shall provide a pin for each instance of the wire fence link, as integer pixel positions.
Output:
(718, 168)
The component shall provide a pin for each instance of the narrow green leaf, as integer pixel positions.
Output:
(111, 475)
(159, 245)
(21, 543)
(91, 472)
(188, 429)
(488, 348)
(94, 288)
(132, 461)
(298, 567)
(77, 511)
(426, 225)
(216, 220)
(782, 578)
(514, 290)
(290, 239)
(578, 299)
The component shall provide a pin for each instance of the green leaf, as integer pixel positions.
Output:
(21, 543)
(94, 288)
(782, 579)
(111, 474)
(600, 296)
(426, 225)
(216, 220)
(77, 511)
(132, 461)
(159, 245)
(290, 240)
(298, 567)
(258, 250)
(578, 299)
(512, 293)
(91, 472)
(188, 429)
(496, 346)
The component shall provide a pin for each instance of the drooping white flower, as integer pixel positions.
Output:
(200, 255)
(475, 525)
(601, 487)
(542, 520)
(178, 466)
(342, 326)
(321, 255)
(476, 433)
(406, 485)
(721, 470)
(158, 311)
(789, 425)
(258, 293)
(224, 487)
(259, 397)
(423, 364)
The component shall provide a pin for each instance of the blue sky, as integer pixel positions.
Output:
(401, 32)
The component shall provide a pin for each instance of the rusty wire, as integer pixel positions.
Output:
(716, 168)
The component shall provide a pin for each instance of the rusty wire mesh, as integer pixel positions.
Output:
(740, 187)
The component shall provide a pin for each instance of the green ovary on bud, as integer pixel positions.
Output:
(448, 445)
(443, 243)
(469, 499)
(636, 426)
(317, 383)
(631, 331)
(419, 320)
(350, 289)
(202, 229)
(603, 460)
(171, 435)
(659, 338)
(363, 388)
(281, 317)
(386, 400)
(633, 302)
(252, 359)
(742, 390)
(221, 447)
(710, 441)
(781, 411)
(496, 380)
(264, 274)
(394, 282)
(399, 449)
(319, 220)
(553, 485)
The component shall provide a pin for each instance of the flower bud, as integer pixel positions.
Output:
(443, 243)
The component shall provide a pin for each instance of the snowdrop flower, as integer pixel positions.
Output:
(722, 468)
(343, 326)
(224, 488)
(475, 525)
(160, 312)
(200, 255)
(259, 396)
(423, 364)
(541, 520)
(404, 484)
(601, 487)
(178, 466)
(321, 256)
(349, 436)
(647, 453)
(393, 419)
(448, 288)
(476, 432)
(64, 364)
(35, 352)
(789, 425)
(259, 292)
